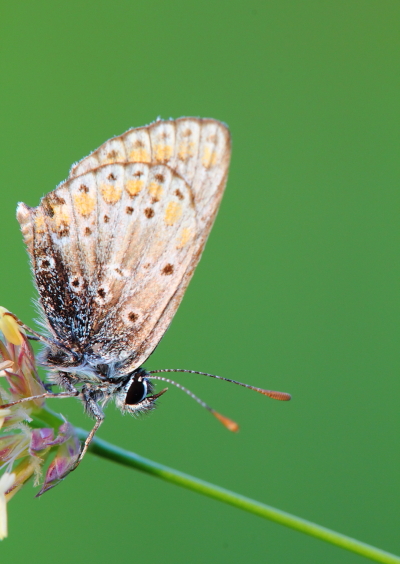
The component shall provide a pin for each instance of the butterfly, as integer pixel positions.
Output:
(113, 249)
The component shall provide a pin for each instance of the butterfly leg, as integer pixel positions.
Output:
(70, 394)
(95, 410)
(65, 380)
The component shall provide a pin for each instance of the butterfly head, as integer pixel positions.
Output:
(136, 394)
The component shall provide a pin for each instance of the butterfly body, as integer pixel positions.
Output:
(114, 247)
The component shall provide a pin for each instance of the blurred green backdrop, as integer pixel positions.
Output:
(298, 289)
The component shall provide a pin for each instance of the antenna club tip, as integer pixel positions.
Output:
(226, 422)
(280, 396)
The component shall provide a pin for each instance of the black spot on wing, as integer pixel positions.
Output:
(168, 269)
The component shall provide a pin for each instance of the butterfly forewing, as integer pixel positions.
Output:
(114, 247)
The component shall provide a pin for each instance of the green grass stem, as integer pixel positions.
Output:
(109, 451)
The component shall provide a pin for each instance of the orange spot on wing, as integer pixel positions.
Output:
(172, 213)
(40, 224)
(111, 194)
(209, 158)
(185, 236)
(186, 151)
(84, 204)
(162, 153)
(61, 216)
(133, 187)
(139, 155)
(156, 190)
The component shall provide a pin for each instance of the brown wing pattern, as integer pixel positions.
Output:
(114, 247)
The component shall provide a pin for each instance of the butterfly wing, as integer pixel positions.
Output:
(199, 150)
(114, 247)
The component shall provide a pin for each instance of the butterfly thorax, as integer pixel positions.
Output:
(87, 364)
(99, 383)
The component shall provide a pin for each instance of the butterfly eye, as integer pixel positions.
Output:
(136, 395)
(137, 391)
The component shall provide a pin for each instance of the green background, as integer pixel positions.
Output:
(298, 289)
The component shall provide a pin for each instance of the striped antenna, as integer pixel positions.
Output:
(281, 396)
(228, 423)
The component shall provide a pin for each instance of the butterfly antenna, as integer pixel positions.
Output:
(228, 423)
(281, 396)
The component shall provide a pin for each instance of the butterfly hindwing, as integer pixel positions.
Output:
(197, 149)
